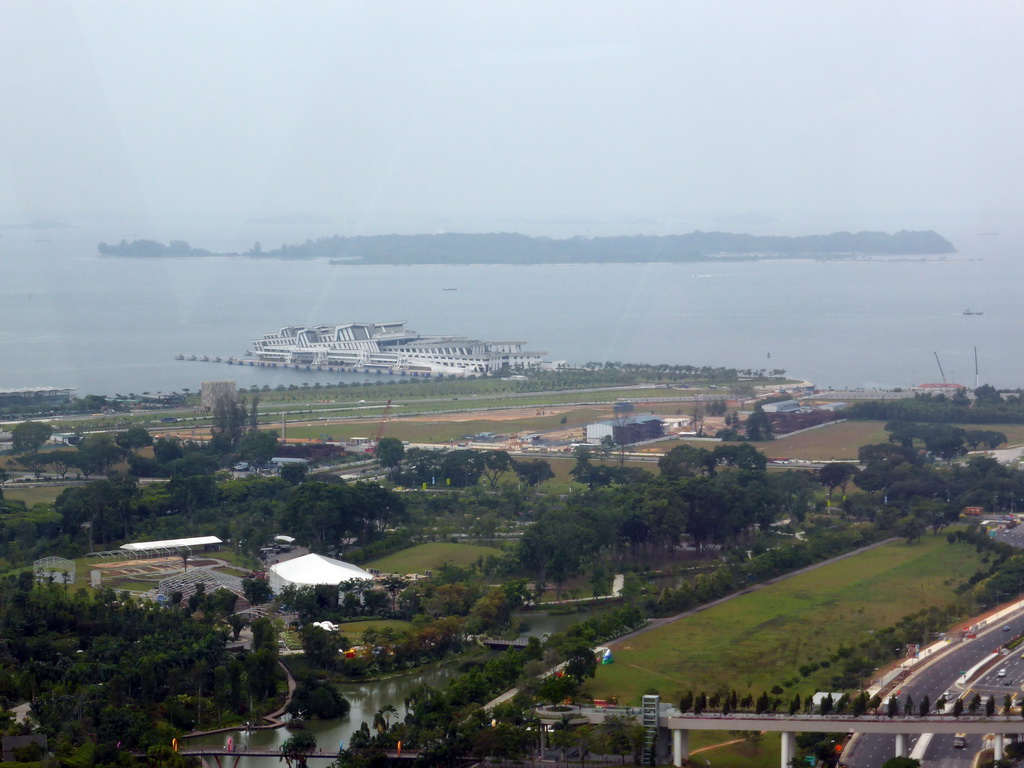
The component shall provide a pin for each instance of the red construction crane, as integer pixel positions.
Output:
(380, 427)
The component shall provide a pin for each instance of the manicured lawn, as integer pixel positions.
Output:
(758, 640)
(835, 441)
(1014, 432)
(760, 753)
(33, 494)
(425, 557)
(354, 629)
(561, 466)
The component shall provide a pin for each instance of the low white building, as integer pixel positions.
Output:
(785, 406)
(312, 570)
(200, 543)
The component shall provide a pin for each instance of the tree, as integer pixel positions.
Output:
(167, 449)
(975, 704)
(892, 707)
(258, 446)
(759, 426)
(390, 452)
(30, 436)
(860, 704)
(257, 591)
(958, 707)
(686, 701)
(555, 690)
(322, 647)
(826, 704)
(902, 762)
(60, 462)
(237, 622)
(836, 475)
(794, 705)
(35, 463)
(393, 585)
(496, 465)
(580, 662)
(533, 471)
(319, 700)
(462, 468)
(293, 474)
(298, 747)
(96, 454)
(230, 420)
(986, 393)
(583, 470)
(133, 438)
(685, 461)
(911, 528)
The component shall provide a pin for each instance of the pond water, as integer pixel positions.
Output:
(367, 698)
(537, 624)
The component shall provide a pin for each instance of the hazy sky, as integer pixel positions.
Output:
(545, 117)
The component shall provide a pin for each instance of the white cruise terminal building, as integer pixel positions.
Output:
(390, 346)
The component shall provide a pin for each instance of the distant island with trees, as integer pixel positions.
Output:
(510, 248)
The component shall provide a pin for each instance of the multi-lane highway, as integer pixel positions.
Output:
(945, 674)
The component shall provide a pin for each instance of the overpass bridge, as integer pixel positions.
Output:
(228, 756)
(664, 722)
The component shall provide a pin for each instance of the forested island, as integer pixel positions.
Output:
(511, 248)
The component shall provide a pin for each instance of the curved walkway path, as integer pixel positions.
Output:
(273, 719)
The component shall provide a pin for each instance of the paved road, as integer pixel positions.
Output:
(939, 677)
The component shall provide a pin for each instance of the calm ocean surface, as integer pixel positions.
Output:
(71, 318)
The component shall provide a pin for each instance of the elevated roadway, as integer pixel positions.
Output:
(945, 673)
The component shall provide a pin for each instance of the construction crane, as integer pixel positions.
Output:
(380, 427)
(941, 372)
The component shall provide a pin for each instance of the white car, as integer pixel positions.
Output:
(1002, 672)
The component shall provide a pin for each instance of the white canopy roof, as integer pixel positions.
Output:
(315, 569)
(198, 541)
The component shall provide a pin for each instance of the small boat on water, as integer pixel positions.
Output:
(971, 312)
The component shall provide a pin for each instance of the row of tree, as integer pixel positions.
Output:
(104, 668)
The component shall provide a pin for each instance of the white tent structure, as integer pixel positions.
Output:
(310, 570)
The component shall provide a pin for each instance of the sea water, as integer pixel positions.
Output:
(71, 318)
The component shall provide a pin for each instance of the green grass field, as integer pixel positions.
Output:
(442, 431)
(758, 640)
(424, 557)
(354, 629)
(32, 494)
(561, 466)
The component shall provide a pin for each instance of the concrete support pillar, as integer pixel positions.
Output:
(680, 747)
(543, 739)
(998, 750)
(901, 745)
(788, 748)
